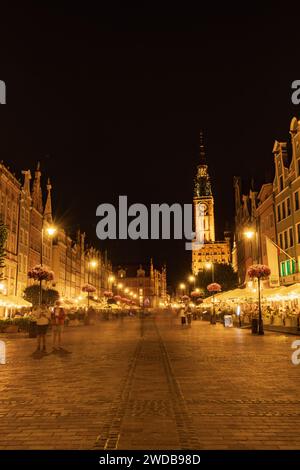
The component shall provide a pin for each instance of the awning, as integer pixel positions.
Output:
(13, 301)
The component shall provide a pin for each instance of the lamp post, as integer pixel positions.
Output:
(91, 265)
(210, 265)
(51, 230)
(111, 280)
(182, 287)
(251, 234)
(192, 280)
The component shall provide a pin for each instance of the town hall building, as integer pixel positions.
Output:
(205, 249)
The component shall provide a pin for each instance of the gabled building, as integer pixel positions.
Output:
(146, 285)
(273, 214)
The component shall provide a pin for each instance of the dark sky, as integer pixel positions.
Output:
(112, 103)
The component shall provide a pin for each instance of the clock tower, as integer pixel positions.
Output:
(205, 249)
(203, 201)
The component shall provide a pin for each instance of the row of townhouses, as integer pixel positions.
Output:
(28, 244)
(267, 221)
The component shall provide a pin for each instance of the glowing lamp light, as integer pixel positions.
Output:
(249, 234)
(93, 263)
(51, 231)
(182, 286)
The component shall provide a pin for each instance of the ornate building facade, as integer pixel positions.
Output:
(273, 215)
(205, 248)
(27, 218)
(147, 285)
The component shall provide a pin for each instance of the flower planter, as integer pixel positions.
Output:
(11, 329)
(288, 322)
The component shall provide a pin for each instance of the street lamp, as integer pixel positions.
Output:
(50, 231)
(210, 265)
(192, 280)
(92, 264)
(249, 234)
(182, 286)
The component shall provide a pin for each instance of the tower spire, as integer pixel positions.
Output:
(48, 206)
(37, 199)
(202, 149)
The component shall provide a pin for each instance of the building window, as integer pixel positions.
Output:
(298, 162)
(283, 210)
(288, 206)
(281, 240)
(280, 183)
(291, 237)
(287, 267)
(285, 239)
(278, 213)
(296, 200)
(298, 233)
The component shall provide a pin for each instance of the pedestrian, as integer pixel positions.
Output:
(188, 312)
(182, 316)
(57, 320)
(42, 323)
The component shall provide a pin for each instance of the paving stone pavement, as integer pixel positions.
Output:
(151, 384)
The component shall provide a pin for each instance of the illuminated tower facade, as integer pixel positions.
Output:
(203, 201)
(205, 249)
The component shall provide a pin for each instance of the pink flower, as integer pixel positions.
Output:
(108, 293)
(88, 288)
(40, 273)
(214, 287)
(259, 271)
(195, 294)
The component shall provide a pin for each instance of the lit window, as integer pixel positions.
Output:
(291, 237)
(283, 210)
(288, 206)
(296, 200)
(278, 213)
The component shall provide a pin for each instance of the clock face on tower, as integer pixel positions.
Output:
(202, 209)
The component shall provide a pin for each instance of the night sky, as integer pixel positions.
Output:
(112, 103)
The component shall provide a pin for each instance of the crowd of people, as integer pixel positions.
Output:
(243, 314)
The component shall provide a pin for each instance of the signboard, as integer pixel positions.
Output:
(228, 323)
(2, 352)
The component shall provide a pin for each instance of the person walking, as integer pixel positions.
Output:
(42, 323)
(188, 312)
(182, 316)
(57, 319)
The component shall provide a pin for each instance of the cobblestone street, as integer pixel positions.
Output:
(151, 384)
